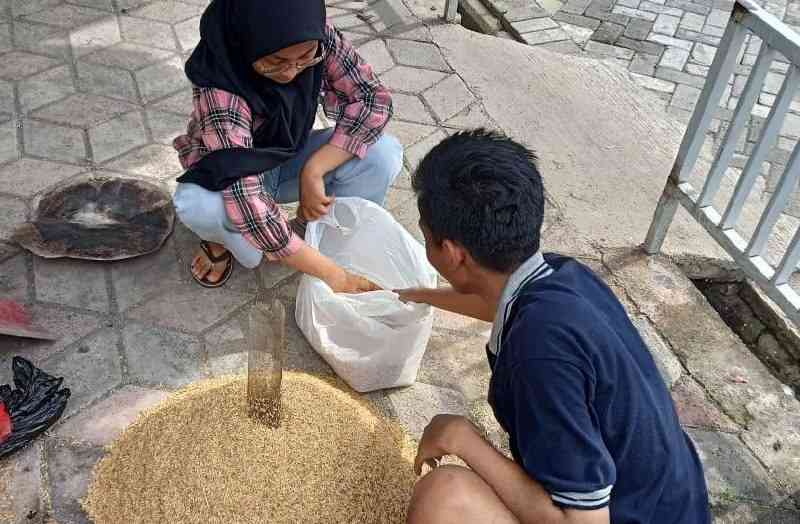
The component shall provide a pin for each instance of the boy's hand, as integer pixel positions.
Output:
(445, 435)
(411, 295)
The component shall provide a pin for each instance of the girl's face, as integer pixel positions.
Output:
(284, 65)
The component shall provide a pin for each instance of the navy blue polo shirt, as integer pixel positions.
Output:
(587, 412)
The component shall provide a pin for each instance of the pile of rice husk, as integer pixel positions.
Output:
(199, 458)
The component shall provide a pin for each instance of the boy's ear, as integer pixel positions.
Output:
(455, 254)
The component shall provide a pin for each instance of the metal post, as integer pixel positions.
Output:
(662, 219)
(451, 10)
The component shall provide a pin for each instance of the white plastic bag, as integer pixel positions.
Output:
(372, 340)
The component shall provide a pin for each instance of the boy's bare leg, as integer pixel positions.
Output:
(457, 495)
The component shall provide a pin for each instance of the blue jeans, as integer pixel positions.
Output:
(204, 213)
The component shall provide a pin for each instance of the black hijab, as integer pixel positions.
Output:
(233, 35)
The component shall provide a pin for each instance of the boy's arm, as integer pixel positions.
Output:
(450, 300)
(522, 495)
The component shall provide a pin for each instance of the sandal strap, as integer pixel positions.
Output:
(215, 259)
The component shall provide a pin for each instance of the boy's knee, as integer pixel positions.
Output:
(444, 491)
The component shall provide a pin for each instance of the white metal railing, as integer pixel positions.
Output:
(749, 254)
(450, 10)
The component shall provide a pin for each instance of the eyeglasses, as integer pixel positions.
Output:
(268, 71)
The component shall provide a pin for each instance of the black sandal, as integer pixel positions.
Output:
(226, 257)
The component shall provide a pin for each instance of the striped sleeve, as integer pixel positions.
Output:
(353, 96)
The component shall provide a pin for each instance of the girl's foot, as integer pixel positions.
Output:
(212, 266)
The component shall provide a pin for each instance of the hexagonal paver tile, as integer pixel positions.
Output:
(162, 357)
(106, 81)
(8, 142)
(5, 37)
(180, 103)
(416, 152)
(396, 197)
(449, 97)
(13, 212)
(407, 215)
(14, 279)
(91, 368)
(74, 283)
(153, 161)
(147, 32)
(117, 136)
(104, 5)
(376, 55)
(411, 79)
(470, 118)
(41, 39)
(129, 5)
(84, 110)
(348, 20)
(103, 422)
(166, 126)
(45, 88)
(227, 347)
(53, 142)
(97, 35)
(188, 33)
(28, 176)
(69, 471)
(161, 79)
(189, 307)
(142, 278)
(415, 406)
(171, 12)
(69, 325)
(6, 97)
(21, 485)
(457, 363)
(67, 16)
(409, 107)
(417, 54)
(19, 64)
(126, 55)
(27, 7)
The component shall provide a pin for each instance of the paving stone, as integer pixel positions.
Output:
(654, 84)
(528, 11)
(407, 133)
(731, 471)
(638, 29)
(41, 39)
(411, 80)
(12, 213)
(666, 25)
(70, 475)
(179, 103)
(84, 110)
(53, 142)
(457, 363)
(6, 97)
(578, 20)
(407, 215)
(693, 22)
(171, 11)
(544, 37)
(674, 58)
(641, 47)
(20, 486)
(415, 153)
(126, 55)
(106, 81)
(416, 405)
(14, 279)
(606, 14)
(161, 79)
(418, 54)
(411, 108)
(718, 17)
(5, 38)
(152, 161)
(470, 118)
(608, 33)
(634, 14)
(397, 197)
(448, 98)
(67, 16)
(749, 513)
(703, 54)
(117, 136)
(44, 88)
(536, 24)
(683, 34)
(188, 307)
(147, 32)
(74, 283)
(141, 278)
(188, 33)
(696, 410)
(377, 56)
(272, 274)
(691, 7)
(605, 50)
(579, 35)
(564, 47)
(9, 149)
(228, 347)
(92, 368)
(299, 353)
(643, 64)
(104, 5)
(19, 64)
(161, 357)
(697, 70)
(166, 126)
(713, 31)
(671, 75)
(28, 176)
(671, 42)
(103, 422)
(654, 7)
(97, 35)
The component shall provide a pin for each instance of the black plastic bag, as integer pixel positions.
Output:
(36, 404)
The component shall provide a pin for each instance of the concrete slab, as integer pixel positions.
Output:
(69, 471)
(21, 487)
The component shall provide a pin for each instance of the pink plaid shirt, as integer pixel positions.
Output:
(352, 95)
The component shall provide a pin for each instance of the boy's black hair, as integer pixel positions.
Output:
(483, 190)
